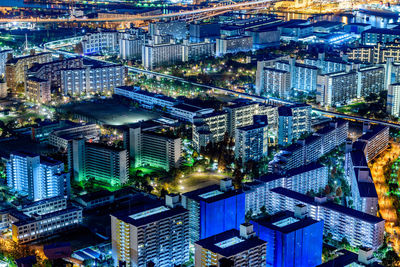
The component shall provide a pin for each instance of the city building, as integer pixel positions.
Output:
(209, 128)
(358, 174)
(276, 83)
(152, 234)
(344, 257)
(251, 142)
(102, 42)
(94, 77)
(360, 229)
(302, 77)
(16, 68)
(130, 44)
(38, 90)
(327, 65)
(197, 51)
(187, 112)
(240, 114)
(43, 218)
(375, 54)
(155, 146)
(293, 238)
(285, 126)
(106, 165)
(36, 177)
(393, 100)
(144, 98)
(51, 71)
(370, 80)
(214, 209)
(311, 148)
(199, 31)
(311, 177)
(233, 44)
(4, 55)
(176, 28)
(241, 248)
(268, 36)
(293, 122)
(59, 138)
(376, 140)
(338, 88)
(43, 129)
(374, 36)
(156, 55)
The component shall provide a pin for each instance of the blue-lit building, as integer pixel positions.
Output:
(293, 239)
(214, 209)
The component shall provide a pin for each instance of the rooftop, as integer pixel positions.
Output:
(328, 205)
(211, 194)
(285, 222)
(229, 243)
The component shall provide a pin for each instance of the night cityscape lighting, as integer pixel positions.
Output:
(252, 133)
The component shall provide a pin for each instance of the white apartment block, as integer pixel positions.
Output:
(360, 229)
(100, 42)
(155, 55)
(156, 233)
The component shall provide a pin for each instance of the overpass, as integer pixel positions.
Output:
(217, 8)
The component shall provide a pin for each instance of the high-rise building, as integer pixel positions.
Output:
(95, 76)
(293, 238)
(358, 174)
(376, 140)
(197, 51)
(176, 28)
(325, 65)
(337, 88)
(155, 55)
(107, 165)
(233, 44)
(16, 68)
(285, 126)
(60, 138)
(37, 177)
(199, 31)
(311, 177)
(38, 90)
(130, 44)
(151, 235)
(293, 122)
(251, 142)
(150, 145)
(100, 42)
(393, 100)
(4, 54)
(209, 128)
(214, 209)
(370, 80)
(276, 83)
(374, 36)
(240, 114)
(360, 229)
(241, 248)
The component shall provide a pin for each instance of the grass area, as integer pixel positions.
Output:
(350, 108)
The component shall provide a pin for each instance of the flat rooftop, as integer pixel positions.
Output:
(229, 243)
(211, 194)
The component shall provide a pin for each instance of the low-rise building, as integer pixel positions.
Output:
(38, 90)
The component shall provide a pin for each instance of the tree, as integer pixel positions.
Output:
(339, 191)
(237, 178)
(263, 210)
(327, 190)
(249, 215)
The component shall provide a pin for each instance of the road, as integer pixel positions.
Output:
(237, 6)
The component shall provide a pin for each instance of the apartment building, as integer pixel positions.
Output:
(251, 142)
(59, 138)
(233, 44)
(156, 55)
(240, 114)
(36, 177)
(360, 229)
(209, 128)
(152, 234)
(214, 209)
(102, 42)
(197, 51)
(38, 90)
(238, 247)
